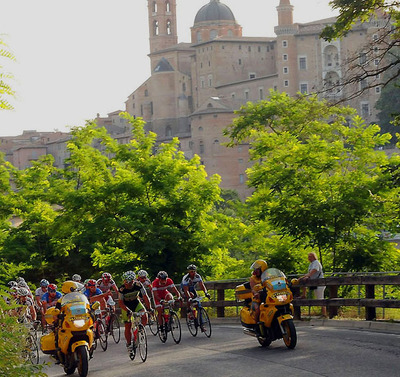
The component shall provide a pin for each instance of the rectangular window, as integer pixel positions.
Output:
(240, 61)
(363, 84)
(286, 83)
(210, 81)
(377, 89)
(246, 94)
(284, 43)
(252, 75)
(285, 57)
(285, 70)
(376, 62)
(233, 95)
(261, 92)
(302, 62)
(362, 58)
(241, 178)
(303, 88)
(365, 109)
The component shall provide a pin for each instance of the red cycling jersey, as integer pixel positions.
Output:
(162, 290)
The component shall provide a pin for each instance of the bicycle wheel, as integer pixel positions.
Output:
(142, 342)
(190, 321)
(205, 323)
(102, 334)
(31, 351)
(132, 351)
(115, 328)
(162, 330)
(175, 327)
(153, 324)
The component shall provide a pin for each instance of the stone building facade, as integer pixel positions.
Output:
(195, 87)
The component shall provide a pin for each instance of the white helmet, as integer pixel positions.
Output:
(142, 274)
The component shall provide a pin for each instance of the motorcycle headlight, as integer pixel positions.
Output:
(281, 297)
(79, 322)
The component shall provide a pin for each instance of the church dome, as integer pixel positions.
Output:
(214, 11)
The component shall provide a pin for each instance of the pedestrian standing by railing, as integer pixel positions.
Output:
(314, 272)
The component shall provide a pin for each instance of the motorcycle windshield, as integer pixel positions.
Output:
(76, 301)
(276, 278)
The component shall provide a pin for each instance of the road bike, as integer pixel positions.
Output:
(198, 317)
(112, 324)
(153, 322)
(170, 322)
(100, 333)
(138, 337)
(30, 350)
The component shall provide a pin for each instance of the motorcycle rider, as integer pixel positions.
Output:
(258, 267)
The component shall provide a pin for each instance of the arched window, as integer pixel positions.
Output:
(230, 33)
(169, 27)
(200, 129)
(213, 34)
(168, 7)
(154, 7)
(331, 56)
(199, 39)
(155, 28)
(168, 131)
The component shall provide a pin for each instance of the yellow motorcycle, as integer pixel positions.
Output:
(72, 338)
(276, 310)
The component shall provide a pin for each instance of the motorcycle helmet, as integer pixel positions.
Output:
(128, 276)
(162, 275)
(261, 264)
(44, 283)
(143, 274)
(68, 287)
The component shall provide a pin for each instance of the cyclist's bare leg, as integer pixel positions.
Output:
(128, 337)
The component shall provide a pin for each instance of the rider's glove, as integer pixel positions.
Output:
(208, 295)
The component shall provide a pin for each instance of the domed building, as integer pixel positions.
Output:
(214, 20)
(195, 87)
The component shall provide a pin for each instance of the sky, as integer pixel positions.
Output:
(76, 59)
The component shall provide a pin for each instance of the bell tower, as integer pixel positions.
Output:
(162, 24)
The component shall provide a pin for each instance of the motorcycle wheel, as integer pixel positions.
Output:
(69, 369)
(290, 336)
(83, 361)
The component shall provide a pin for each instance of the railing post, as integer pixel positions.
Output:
(370, 313)
(333, 292)
(220, 297)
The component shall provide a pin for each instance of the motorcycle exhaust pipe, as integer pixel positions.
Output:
(250, 332)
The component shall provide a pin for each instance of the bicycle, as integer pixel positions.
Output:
(30, 351)
(170, 322)
(100, 333)
(152, 322)
(138, 337)
(198, 317)
(112, 324)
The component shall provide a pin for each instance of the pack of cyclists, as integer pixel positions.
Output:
(137, 293)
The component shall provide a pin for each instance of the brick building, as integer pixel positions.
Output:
(195, 87)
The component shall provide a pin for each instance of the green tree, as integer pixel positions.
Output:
(317, 176)
(134, 205)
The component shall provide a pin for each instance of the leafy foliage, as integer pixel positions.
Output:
(316, 176)
(6, 91)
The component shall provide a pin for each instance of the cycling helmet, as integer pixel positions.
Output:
(22, 292)
(76, 277)
(143, 274)
(68, 287)
(162, 275)
(259, 263)
(191, 267)
(20, 279)
(52, 287)
(91, 283)
(85, 282)
(128, 276)
(106, 276)
(44, 283)
(12, 284)
(22, 284)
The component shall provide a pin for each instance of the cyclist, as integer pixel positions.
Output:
(39, 293)
(162, 287)
(143, 277)
(24, 299)
(105, 284)
(189, 282)
(50, 298)
(23, 284)
(95, 294)
(129, 293)
(78, 280)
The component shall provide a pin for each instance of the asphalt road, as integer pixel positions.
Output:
(320, 351)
